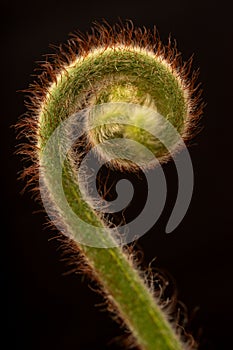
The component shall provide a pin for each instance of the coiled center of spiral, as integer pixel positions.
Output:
(119, 74)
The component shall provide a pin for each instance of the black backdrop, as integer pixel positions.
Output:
(50, 310)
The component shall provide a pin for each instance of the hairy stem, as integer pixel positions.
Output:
(121, 66)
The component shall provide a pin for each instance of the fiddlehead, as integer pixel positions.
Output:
(102, 90)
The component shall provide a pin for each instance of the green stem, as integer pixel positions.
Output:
(134, 301)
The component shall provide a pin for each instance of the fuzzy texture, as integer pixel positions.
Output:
(112, 64)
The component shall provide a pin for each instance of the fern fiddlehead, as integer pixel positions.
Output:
(111, 85)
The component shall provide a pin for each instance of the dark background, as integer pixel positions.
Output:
(48, 309)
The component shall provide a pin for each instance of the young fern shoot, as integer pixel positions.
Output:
(112, 84)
